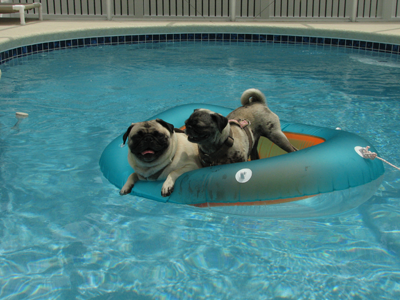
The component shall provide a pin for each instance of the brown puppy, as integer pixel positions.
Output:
(157, 152)
(234, 138)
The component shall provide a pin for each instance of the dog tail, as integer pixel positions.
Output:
(251, 96)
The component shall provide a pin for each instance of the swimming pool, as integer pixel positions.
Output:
(66, 233)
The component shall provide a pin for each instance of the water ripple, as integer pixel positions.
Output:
(65, 233)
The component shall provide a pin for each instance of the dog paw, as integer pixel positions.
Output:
(126, 190)
(166, 191)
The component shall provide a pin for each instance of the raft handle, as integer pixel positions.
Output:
(365, 153)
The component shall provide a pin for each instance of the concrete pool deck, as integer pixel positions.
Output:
(13, 35)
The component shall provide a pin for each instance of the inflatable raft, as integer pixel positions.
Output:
(327, 176)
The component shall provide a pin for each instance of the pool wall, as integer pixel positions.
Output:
(16, 42)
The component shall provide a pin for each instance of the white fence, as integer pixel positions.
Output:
(262, 10)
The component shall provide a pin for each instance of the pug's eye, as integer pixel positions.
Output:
(140, 133)
(157, 134)
(200, 133)
(201, 129)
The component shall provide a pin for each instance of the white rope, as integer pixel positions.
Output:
(365, 153)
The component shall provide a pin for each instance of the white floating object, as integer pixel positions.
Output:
(21, 115)
(243, 175)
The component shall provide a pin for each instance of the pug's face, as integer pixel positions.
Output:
(204, 126)
(149, 140)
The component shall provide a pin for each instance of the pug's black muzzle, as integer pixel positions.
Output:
(148, 148)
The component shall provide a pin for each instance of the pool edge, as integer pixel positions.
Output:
(39, 32)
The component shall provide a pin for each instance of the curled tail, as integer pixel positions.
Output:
(251, 96)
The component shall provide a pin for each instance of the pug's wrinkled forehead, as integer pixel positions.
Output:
(201, 115)
(147, 124)
(148, 127)
(203, 118)
(156, 125)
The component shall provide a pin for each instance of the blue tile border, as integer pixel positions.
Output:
(204, 37)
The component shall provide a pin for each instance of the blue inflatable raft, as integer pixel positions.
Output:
(327, 176)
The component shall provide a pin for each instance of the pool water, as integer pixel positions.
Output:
(65, 233)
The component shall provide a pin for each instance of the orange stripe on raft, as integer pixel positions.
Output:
(264, 202)
(314, 140)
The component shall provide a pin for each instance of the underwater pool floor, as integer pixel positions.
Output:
(65, 233)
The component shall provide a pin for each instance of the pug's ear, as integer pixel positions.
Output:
(126, 134)
(169, 126)
(220, 120)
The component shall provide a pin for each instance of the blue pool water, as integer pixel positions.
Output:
(65, 233)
